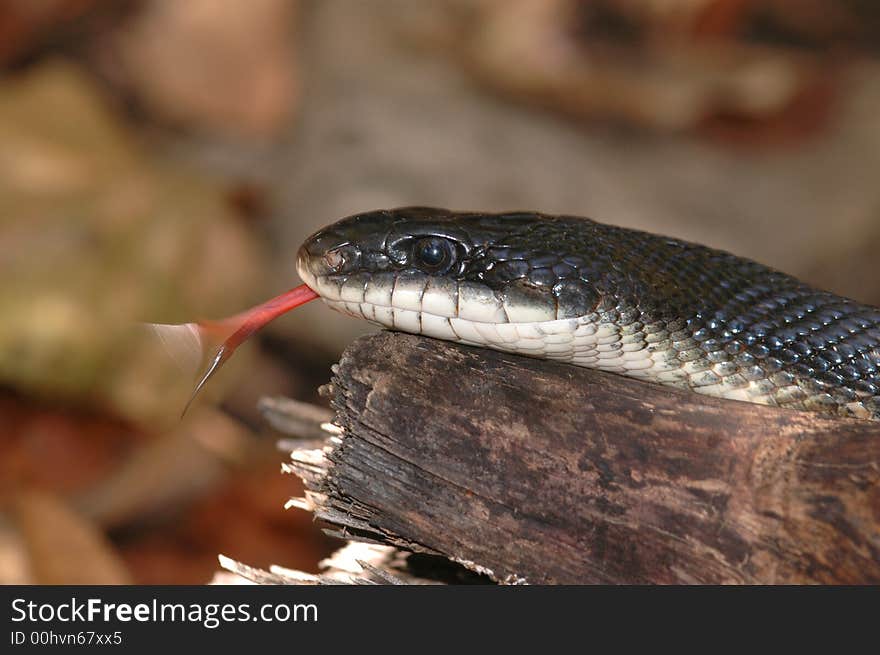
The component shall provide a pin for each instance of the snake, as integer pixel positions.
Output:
(620, 300)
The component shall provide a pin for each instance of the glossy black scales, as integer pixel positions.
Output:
(680, 313)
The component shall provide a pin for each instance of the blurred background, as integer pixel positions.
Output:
(163, 160)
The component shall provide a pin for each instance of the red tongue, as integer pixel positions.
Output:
(235, 330)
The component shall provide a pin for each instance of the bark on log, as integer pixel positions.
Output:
(532, 471)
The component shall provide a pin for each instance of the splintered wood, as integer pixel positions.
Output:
(518, 470)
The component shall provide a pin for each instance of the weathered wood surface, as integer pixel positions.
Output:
(544, 473)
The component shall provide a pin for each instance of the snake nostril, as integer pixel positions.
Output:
(338, 260)
(334, 259)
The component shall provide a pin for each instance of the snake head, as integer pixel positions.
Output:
(450, 274)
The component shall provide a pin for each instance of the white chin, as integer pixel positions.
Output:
(575, 340)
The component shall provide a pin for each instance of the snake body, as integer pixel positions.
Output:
(605, 297)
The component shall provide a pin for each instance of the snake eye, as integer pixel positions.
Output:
(434, 254)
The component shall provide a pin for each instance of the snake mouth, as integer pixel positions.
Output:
(377, 296)
(473, 314)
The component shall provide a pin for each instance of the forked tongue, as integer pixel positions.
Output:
(188, 339)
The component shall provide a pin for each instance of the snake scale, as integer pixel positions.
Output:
(571, 289)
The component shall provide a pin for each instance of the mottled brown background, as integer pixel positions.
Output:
(162, 161)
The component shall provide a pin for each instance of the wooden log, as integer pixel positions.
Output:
(538, 472)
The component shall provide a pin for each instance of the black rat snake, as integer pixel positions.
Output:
(594, 295)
